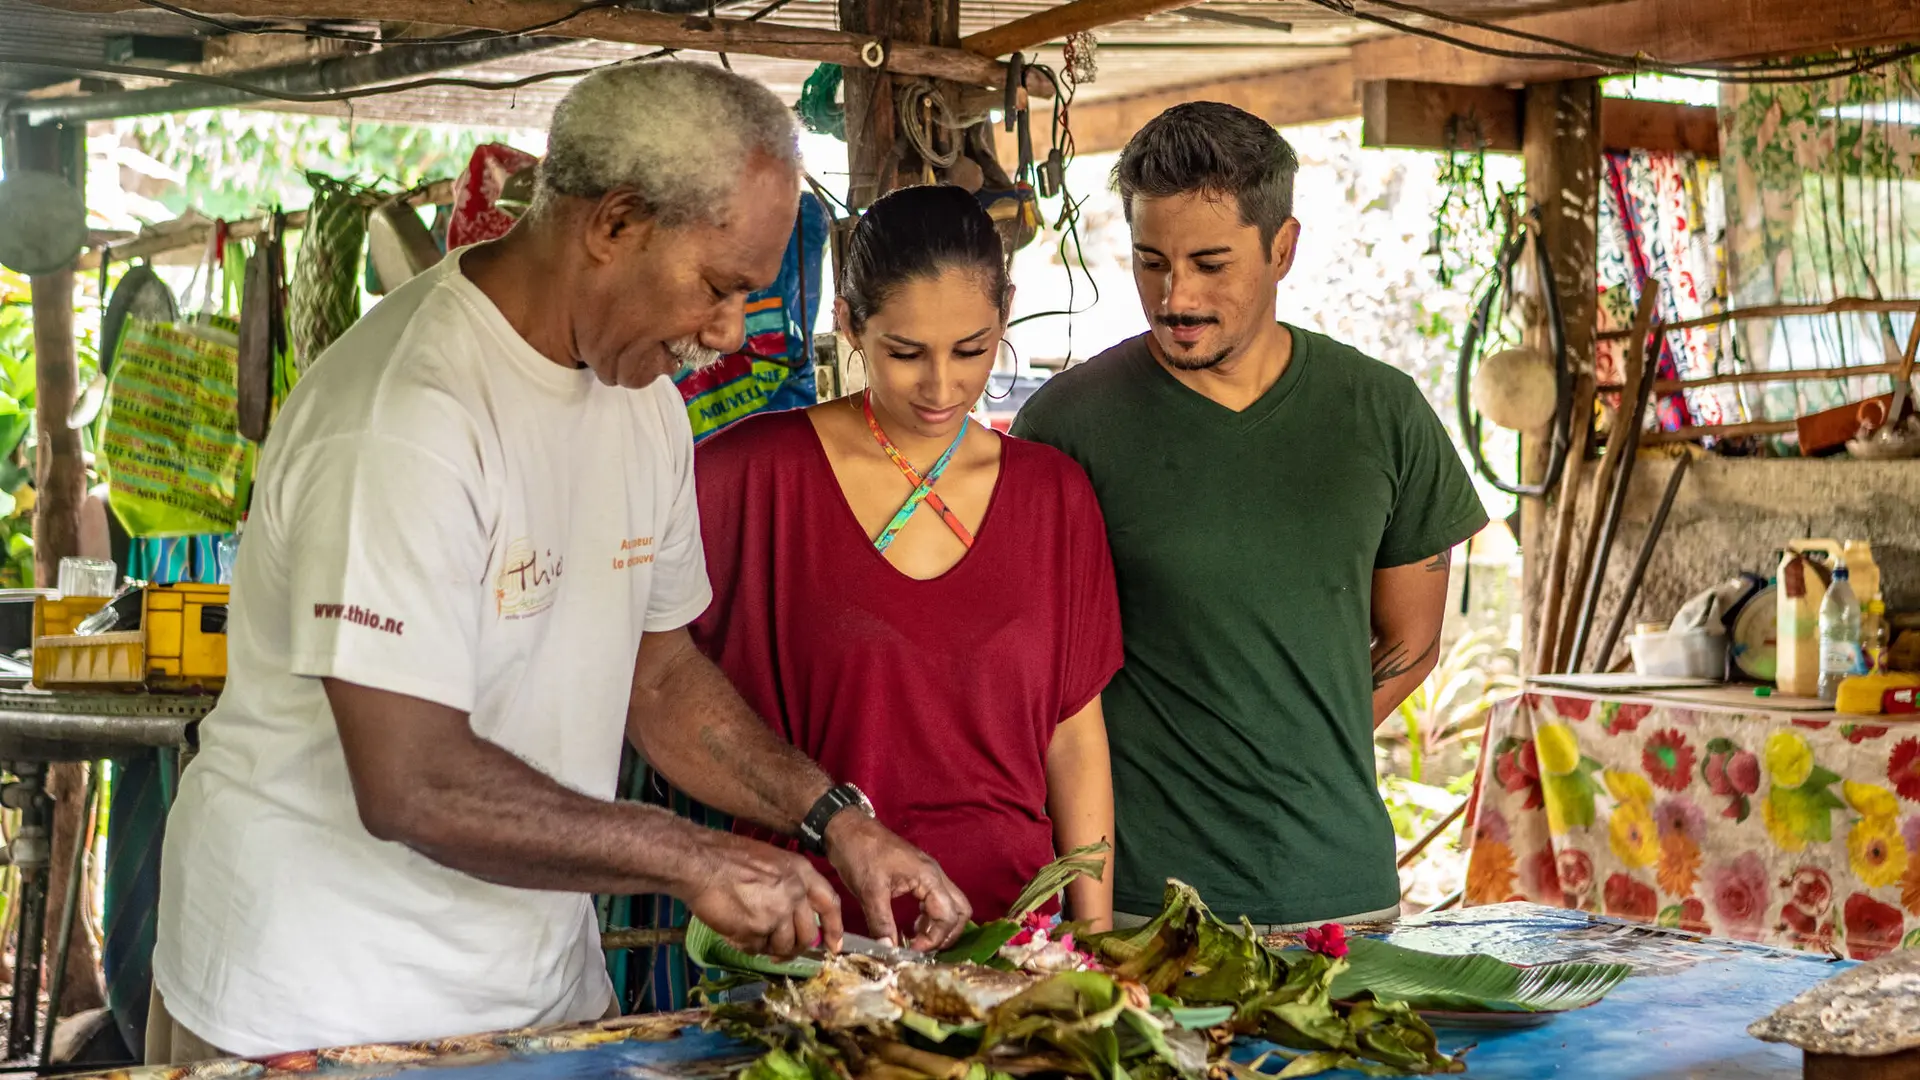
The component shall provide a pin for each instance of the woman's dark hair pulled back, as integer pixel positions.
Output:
(920, 232)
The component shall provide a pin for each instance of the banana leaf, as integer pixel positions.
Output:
(979, 944)
(1089, 861)
(707, 948)
(1475, 983)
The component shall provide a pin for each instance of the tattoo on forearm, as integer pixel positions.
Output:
(1440, 562)
(1390, 662)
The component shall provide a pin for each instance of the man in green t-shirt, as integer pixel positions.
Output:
(1282, 511)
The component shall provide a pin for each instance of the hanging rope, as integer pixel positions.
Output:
(923, 108)
(819, 108)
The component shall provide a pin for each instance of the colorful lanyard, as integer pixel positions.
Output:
(922, 486)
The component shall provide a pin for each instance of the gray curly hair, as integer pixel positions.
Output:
(674, 132)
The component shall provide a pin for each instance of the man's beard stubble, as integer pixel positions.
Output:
(1205, 363)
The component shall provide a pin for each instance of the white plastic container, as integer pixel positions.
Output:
(1691, 654)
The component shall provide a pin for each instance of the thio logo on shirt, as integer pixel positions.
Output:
(527, 581)
(359, 616)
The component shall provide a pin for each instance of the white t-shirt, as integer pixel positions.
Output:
(441, 512)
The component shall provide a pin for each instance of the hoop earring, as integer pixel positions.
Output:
(1012, 377)
(866, 380)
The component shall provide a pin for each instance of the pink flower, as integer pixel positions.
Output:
(1329, 939)
(1740, 897)
(1678, 816)
(1021, 938)
(1491, 826)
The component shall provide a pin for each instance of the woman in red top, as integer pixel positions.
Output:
(923, 606)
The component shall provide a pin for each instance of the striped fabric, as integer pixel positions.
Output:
(658, 979)
(137, 813)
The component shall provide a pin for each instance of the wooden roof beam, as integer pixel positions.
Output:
(1442, 116)
(629, 26)
(1695, 32)
(1699, 31)
(1303, 95)
(1057, 22)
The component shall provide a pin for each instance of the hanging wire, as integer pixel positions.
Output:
(327, 96)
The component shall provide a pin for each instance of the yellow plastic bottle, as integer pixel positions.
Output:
(1801, 587)
(1864, 693)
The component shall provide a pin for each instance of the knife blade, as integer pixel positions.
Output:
(861, 945)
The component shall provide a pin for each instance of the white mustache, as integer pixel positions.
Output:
(692, 355)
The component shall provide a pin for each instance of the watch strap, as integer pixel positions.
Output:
(813, 827)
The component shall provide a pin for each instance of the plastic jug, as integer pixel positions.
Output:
(1802, 585)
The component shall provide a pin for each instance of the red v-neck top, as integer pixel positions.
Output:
(938, 698)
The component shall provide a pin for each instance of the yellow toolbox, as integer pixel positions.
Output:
(181, 643)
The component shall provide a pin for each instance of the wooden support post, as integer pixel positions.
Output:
(60, 487)
(1561, 141)
(878, 160)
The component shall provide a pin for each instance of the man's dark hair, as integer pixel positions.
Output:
(1215, 149)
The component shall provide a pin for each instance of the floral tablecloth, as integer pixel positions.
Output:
(1800, 830)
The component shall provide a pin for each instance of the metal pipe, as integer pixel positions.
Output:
(76, 872)
(389, 64)
(1612, 637)
(32, 856)
(1622, 478)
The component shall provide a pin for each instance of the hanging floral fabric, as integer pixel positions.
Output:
(1658, 211)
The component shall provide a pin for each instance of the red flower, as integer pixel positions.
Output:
(1516, 766)
(1811, 725)
(1812, 890)
(1859, 733)
(1693, 917)
(1668, 760)
(1329, 939)
(1903, 769)
(1572, 708)
(1576, 876)
(1627, 718)
(1630, 899)
(1804, 931)
(1740, 896)
(1540, 877)
(1873, 928)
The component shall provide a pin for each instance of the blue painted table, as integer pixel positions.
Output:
(1683, 1014)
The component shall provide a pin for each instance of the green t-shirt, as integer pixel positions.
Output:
(1244, 546)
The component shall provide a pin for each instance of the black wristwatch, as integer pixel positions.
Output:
(813, 827)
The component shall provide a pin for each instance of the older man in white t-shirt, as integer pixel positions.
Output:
(472, 551)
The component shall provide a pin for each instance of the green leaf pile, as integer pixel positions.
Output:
(1171, 1001)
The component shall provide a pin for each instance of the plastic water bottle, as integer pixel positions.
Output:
(1840, 654)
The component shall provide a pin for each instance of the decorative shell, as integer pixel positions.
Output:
(1867, 1011)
